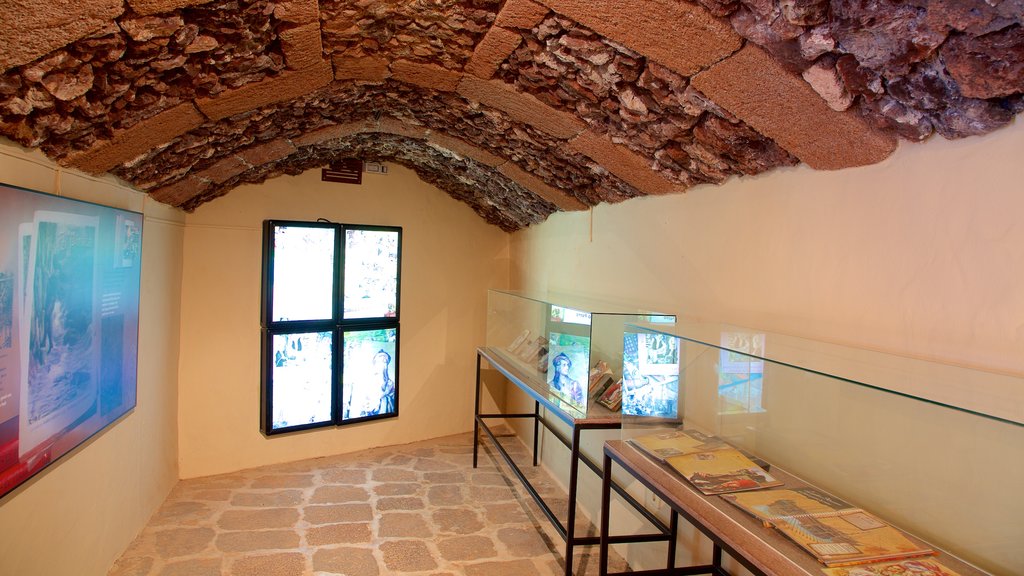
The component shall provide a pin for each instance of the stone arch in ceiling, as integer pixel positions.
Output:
(519, 108)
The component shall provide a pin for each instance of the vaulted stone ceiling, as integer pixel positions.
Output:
(519, 108)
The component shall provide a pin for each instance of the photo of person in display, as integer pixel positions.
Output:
(375, 395)
(381, 362)
(564, 383)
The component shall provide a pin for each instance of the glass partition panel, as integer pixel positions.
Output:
(569, 350)
(860, 425)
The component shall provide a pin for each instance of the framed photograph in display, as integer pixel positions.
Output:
(370, 374)
(330, 318)
(70, 276)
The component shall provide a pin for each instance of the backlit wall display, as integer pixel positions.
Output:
(69, 323)
(370, 364)
(371, 274)
(330, 323)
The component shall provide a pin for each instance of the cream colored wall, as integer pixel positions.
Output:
(450, 257)
(76, 517)
(921, 255)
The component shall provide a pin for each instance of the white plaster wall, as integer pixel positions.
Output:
(450, 256)
(76, 517)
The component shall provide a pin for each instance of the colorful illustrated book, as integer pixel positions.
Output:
(915, 567)
(664, 445)
(611, 398)
(600, 379)
(721, 471)
(676, 443)
(834, 532)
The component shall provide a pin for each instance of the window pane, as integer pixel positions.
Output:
(370, 369)
(371, 274)
(303, 273)
(302, 378)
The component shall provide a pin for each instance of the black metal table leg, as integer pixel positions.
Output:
(476, 414)
(606, 489)
(536, 429)
(570, 524)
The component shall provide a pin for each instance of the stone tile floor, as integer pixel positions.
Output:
(412, 509)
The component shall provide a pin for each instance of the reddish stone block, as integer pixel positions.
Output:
(331, 133)
(492, 51)
(181, 191)
(138, 139)
(283, 87)
(537, 186)
(390, 125)
(521, 107)
(269, 152)
(428, 76)
(369, 68)
(466, 149)
(148, 7)
(521, 14)
(622, 162)
(302, 46)
(32, 29)
(224, 170)
(682, 36)
(756, 89)
(298, 11)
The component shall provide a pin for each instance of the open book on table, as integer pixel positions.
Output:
(911, 567)
(832, 530)
(707, 462)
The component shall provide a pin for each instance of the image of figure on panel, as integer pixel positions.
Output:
(61, 329)
(302, 378)
(650, 375)
(69, 300)
(369, 380)
(564, 382)
(568, 368)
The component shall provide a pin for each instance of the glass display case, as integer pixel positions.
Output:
(564, 356)
(566, 348)
(775, 436)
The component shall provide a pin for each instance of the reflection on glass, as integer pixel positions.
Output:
(370, 366)
(302, 378)
(303, 273)
(371, 274)
(650, 375)
(741, 377)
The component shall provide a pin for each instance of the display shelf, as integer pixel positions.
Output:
(926, 447)
(525, 335)
(761, 550)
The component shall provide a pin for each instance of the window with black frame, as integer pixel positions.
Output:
(330, 324)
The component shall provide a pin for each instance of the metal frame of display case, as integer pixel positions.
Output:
(609, 421)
